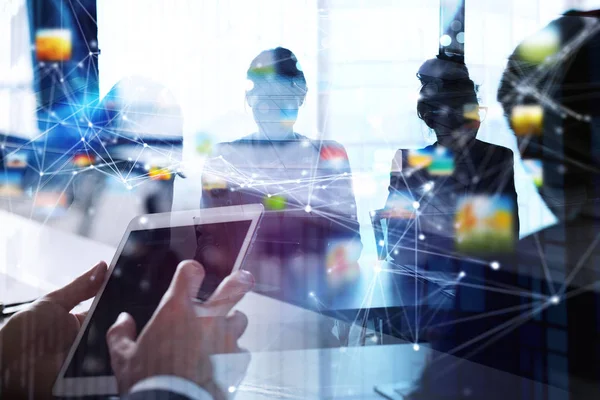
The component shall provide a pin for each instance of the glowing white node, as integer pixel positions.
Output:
(445, 40)
(83, 139)
(421, 237)
(311, 294)
(129, 159)
(74, 172)
(143, 220)
(462, 274)
(90, 124)
(269, 195)
(308, 209)
(495, 265)
(129, 187)
(41, 174)
(381, 242)
(416, 347)
(145, 144)
(416, 205)
(555, 299)
(396, 252)
(231, 389)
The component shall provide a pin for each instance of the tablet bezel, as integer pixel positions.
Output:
(107, 385)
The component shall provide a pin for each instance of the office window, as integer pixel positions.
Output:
(17, 99)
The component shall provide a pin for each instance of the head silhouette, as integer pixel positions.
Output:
(550, 93)
(277, 90)
(448, 101)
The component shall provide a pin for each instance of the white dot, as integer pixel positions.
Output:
(308, 209)
(462, 274)
(145, 144)
(124, 117)
(304, 172)
(269, 195)
(41, 174)
(555, 299)
(495, 265)
(381, 242)
(416, 205)
(460, 37)
(396, 252)
(83, 139)
(90, 124)
(74, 172)
(421, 237)
(416, 347)
(143, 220)
(231, 389)
(445, 40)
(129, 187)
(311, 294)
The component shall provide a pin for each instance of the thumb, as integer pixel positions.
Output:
(82, 288)
(120, 339)
(186, 281)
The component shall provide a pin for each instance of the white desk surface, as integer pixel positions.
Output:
(288, 356)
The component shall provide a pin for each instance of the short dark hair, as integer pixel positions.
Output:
(278, 64)
(444, 83)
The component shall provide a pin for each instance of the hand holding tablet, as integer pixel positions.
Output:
(176, 342)
(138, 283)
(42, 335)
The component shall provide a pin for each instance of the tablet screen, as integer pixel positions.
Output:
(142, 275)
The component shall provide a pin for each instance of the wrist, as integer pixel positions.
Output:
(213, 389)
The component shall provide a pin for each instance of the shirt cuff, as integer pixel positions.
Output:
(172, 384)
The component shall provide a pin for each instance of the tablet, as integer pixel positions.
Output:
(140, 274)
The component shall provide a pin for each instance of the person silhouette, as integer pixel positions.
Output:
(304, 185)
(538, 317)
(434, 192)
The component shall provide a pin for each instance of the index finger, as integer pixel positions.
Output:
(230, 292)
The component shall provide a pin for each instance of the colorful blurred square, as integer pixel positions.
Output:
(275, 203)
(438, 160)
(11, 183)
(213, 182)
(341, 262)
(159, 174)
(50, 203)
(484, 224)
(527, 120)
(53, 44)
(17, 160)
(534, 168)
(83, 160)
(399, 206)
(333, 156)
